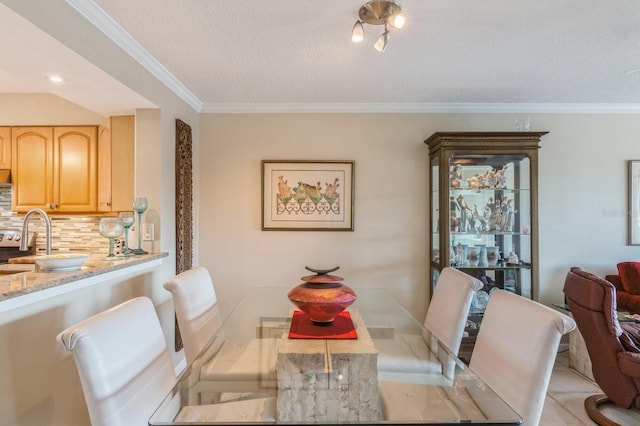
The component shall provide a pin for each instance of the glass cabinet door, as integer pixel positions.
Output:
(435, 222)
(489, 217)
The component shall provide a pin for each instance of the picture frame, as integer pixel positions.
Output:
(633, 213)
(307, 195)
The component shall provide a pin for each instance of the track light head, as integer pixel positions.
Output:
(357, 34)
(382, 41)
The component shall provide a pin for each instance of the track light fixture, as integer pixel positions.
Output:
(378, 12)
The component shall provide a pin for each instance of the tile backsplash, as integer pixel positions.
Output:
(68, 233)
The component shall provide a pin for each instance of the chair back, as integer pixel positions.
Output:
(197, 312)
(123, 362)
(449, 306)
(516, 349)
(592, 301)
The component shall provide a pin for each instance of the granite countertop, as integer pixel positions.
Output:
(21, 279)
(23, 259)
(13, 268)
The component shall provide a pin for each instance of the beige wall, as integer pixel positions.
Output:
(582, 181)
(33, 109)
(388, 246)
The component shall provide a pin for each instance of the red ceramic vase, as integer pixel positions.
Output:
(322, 296)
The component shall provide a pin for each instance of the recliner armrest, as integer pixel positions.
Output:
(616, 281)
(629, 363)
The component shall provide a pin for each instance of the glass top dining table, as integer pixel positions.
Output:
(256, 369)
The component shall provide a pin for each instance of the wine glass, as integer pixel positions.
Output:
(111, 228)
(140, 205)
(127, 220)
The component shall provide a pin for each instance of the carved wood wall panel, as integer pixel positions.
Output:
(184, 205)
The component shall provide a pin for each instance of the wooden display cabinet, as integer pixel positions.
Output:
(484, 195)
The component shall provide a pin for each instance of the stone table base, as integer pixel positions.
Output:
(327, 380)
(578, 356)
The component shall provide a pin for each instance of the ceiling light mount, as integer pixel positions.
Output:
(378, 12)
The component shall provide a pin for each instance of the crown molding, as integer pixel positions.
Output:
(409, 108)
(94, 14)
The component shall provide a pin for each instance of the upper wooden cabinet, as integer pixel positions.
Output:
(31, 167)
(55, 169)
(116, 168)
(5, 147)
(73, 169)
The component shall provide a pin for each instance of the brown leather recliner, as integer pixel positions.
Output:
(615, 358)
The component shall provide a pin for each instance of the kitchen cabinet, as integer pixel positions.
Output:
(55, 168)
(116, 168)
(5, 147)
(484, 221)
(73, 169)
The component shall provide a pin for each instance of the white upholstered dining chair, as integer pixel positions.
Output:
(516, 349)
(514, 355)
(125, 369)
(123, 362)
(446, 319)
(449, 306)
(195, 302)
(240, 364)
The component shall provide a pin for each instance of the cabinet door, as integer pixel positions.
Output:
(104, 166)
(32, 167)
(489, 216)
(122, 162)
(75, 169)
(5, 147)
(116, 164)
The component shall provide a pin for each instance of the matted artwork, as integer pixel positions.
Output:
(307, 195)
(634, 203)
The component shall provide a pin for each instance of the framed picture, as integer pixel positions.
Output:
(634, 203)
(307, 195)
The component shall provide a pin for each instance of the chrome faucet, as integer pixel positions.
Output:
(24, 238)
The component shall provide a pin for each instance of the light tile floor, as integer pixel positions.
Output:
(564, 404)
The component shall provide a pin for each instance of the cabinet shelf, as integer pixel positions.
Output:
(453, 233)
(497, 267)
(481, 191)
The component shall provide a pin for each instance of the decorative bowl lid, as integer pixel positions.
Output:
(321, 271)
(322, 276)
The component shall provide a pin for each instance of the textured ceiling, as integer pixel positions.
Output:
(225, 55)
(453, 51)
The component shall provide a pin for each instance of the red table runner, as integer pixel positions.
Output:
(341, 327)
